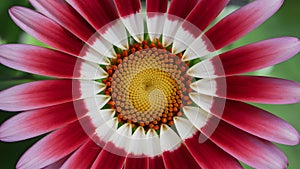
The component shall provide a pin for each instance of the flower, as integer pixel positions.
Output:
(147, 99)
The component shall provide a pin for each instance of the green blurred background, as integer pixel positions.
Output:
(286, 22)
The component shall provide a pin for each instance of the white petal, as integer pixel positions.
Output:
(203, 101)
(88, 88)
(103, 46)
(89, 70)
(90, 54)
(169, 140)
(101, 116)
(155, 25)
(135, 26)
(196, 115)
(153, 144)
(182, 40)
(199, 48)
(184, 127)
(116, 34)
(106, 130)
(121, 140)
(138, 144)
(169, 31)
(204, 69)
(205, 86)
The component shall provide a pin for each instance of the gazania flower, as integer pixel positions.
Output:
(147, 90)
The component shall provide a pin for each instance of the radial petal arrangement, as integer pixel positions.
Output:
(132, 89)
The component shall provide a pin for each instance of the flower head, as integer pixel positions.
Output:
(147, 90)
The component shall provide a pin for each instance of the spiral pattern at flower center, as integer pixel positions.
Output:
(148, 87)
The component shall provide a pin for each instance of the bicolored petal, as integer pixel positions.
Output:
(40, 121)
(178, 11)
(39, 60)
(250, 119)
(53, 147)
(196, 22)
(132, 18)
(84, 157)
(66, 16)
(45, 93)
(104, 18)
(136, 157)
(247, 58)
(114, 152)
(174, 150)
(251, 89)
(54, 35)
(245, 147)
(153, 150)
(241, 22)
(207, 154)
(155, 16)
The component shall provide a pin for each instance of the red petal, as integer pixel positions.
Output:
(36, 122)
(45, 93)
(40, 61)
(46, 30)
(57, 164)
(209, 155)
(174, 159)
(260, 90)
(256, 56)
(181, 8)
(108, 160)
(91, 10)
(255, 121)
(137, 163)
(203, 14)
(247, 148)
(53, 147)
(241, 22)
(66, 16)
(247, 58)
(84, 157)
(156, 6)
(126, 7)
(104, 18)
(156, 163)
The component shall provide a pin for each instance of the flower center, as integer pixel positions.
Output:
(149, 87)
